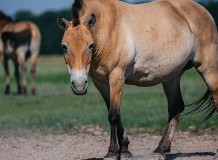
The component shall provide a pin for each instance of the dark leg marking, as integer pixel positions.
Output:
(175, 108)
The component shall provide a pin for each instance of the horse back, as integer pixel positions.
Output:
(162, 38)
(198, 19)
(23, 33)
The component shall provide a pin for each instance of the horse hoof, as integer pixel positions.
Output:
(162, 150)
(25, 90)
(110, 156)
(123, 156)
(7, 90)
(126, 155)
(157, 156)
(33, 91)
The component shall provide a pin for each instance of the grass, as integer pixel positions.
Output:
(56, 110)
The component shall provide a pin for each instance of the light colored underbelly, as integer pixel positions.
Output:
(140, 78)
(154, 72)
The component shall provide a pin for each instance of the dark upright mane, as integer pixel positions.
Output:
(76, 7)
(4, 17)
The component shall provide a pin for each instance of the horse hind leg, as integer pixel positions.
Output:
(23, 69)
(17, 75)
(33, 61)
(6, 74)
(21, 58)
(34, 49)
(175, 109)
(206, 63)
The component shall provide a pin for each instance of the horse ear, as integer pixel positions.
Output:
(91, 21)
(62, 23)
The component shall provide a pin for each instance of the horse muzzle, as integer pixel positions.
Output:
(79, 88)
(79, 83)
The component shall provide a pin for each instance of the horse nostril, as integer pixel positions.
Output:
(73, 85)
(86, 81)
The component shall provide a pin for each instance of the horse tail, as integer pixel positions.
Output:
(35, 41)
(28, 52)
(205, 104)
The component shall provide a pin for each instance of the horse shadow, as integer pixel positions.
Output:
(174, 156)
(187, 155)
(94, 159)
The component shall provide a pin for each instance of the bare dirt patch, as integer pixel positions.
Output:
(93, 145)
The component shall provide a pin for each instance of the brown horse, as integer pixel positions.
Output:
(20, 41)
(144, 45)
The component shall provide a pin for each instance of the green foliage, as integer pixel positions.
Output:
(55, 109)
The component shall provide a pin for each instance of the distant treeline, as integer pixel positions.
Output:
(51, 34)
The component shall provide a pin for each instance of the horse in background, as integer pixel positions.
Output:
(20, 41)
(116, 43)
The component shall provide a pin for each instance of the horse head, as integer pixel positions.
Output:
(78, 47)
(4, 20)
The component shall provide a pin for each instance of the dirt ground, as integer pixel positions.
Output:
(92, 145)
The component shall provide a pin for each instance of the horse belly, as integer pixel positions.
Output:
(159, 60)
(157, 68)
(149, 77)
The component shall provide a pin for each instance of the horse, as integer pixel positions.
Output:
(21, 41)
(117, 43)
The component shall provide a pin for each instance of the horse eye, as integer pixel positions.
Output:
(64, 48)
(91, 21)
(91, 46)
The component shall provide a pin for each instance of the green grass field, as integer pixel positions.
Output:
(56, 110)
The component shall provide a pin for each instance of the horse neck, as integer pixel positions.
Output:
(106, 35)
(4, 20)
(3, 23)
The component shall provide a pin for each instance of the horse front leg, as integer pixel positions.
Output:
(23, 69)
(124, 150)
(175, 109)
(6, 74)
(17, 75)
(104, 89)
(116, 81)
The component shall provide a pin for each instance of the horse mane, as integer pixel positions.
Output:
(4, 20)
(4, 17)
(76, 7)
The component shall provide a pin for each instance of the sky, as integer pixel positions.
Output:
(10, 7)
